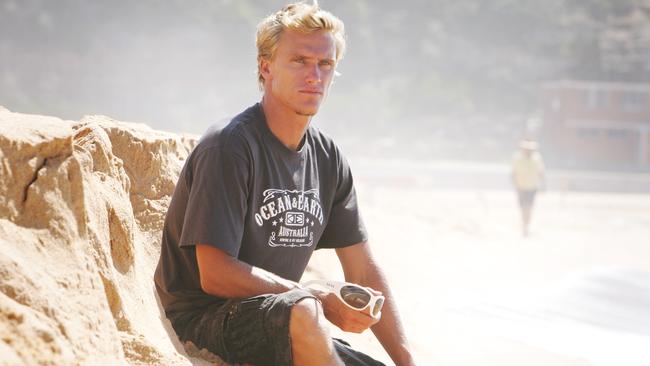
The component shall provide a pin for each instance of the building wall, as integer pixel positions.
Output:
(646, 156)
(596, 125)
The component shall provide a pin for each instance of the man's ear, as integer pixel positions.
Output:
(264, 66)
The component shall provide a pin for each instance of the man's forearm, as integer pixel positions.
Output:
(236, 279)
(389, 330)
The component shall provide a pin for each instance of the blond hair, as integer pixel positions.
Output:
(299, 17)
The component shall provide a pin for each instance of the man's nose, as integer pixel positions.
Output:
(314, 75)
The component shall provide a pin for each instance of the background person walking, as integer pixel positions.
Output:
(528, 178)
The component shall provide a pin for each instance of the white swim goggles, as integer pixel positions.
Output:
(352, 295)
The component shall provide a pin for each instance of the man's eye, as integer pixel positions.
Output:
(326, 64)
(299, 60)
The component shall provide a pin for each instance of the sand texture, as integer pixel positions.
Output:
(81, 209)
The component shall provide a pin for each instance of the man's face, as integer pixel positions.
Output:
(300, 73)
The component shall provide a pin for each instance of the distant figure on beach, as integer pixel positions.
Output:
(528, 178)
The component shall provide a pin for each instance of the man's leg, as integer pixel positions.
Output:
(267, 330)
(311, 343)
(526, 200)
(352, 357)
(525, 214)
(244, 331)
(529, 210)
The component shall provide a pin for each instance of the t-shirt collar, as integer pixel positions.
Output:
(274, 141)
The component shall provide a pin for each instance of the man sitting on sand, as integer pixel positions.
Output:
(254, 200)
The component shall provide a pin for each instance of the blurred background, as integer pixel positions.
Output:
(459, 79)
(432, 100)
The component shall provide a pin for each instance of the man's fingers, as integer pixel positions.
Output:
(357, 327)
(364, 319)
(348, 319)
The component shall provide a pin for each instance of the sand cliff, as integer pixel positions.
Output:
(82, 205)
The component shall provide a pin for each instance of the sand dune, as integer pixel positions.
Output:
(81, 210)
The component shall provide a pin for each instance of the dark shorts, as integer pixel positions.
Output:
(526, 198)
(253, 330)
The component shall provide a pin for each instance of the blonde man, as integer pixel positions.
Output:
(254, 200)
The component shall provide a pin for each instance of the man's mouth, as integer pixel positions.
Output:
(311, 91)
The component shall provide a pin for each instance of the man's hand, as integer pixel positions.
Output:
(360, 267)
(343, 316)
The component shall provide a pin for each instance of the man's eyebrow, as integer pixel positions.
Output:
(310, 53)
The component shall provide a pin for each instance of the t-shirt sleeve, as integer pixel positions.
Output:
(345, 226)
(217, 200)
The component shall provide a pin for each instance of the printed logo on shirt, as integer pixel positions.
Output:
(293, 216)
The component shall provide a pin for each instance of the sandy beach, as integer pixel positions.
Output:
(473, 291)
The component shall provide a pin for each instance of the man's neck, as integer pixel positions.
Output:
(288, 126)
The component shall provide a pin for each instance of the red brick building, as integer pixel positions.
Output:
(596, 124)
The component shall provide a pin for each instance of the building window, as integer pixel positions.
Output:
(596, 98)
(632, 101)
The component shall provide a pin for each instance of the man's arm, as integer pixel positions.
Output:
(360, 267)
(225, 276)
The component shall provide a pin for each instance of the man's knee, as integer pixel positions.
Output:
(310, 340)
(307, 320)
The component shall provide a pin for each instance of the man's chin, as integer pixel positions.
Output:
(307, 112)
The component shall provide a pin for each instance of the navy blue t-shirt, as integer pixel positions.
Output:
(242, 191)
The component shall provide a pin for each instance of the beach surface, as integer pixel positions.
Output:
(473, 291)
